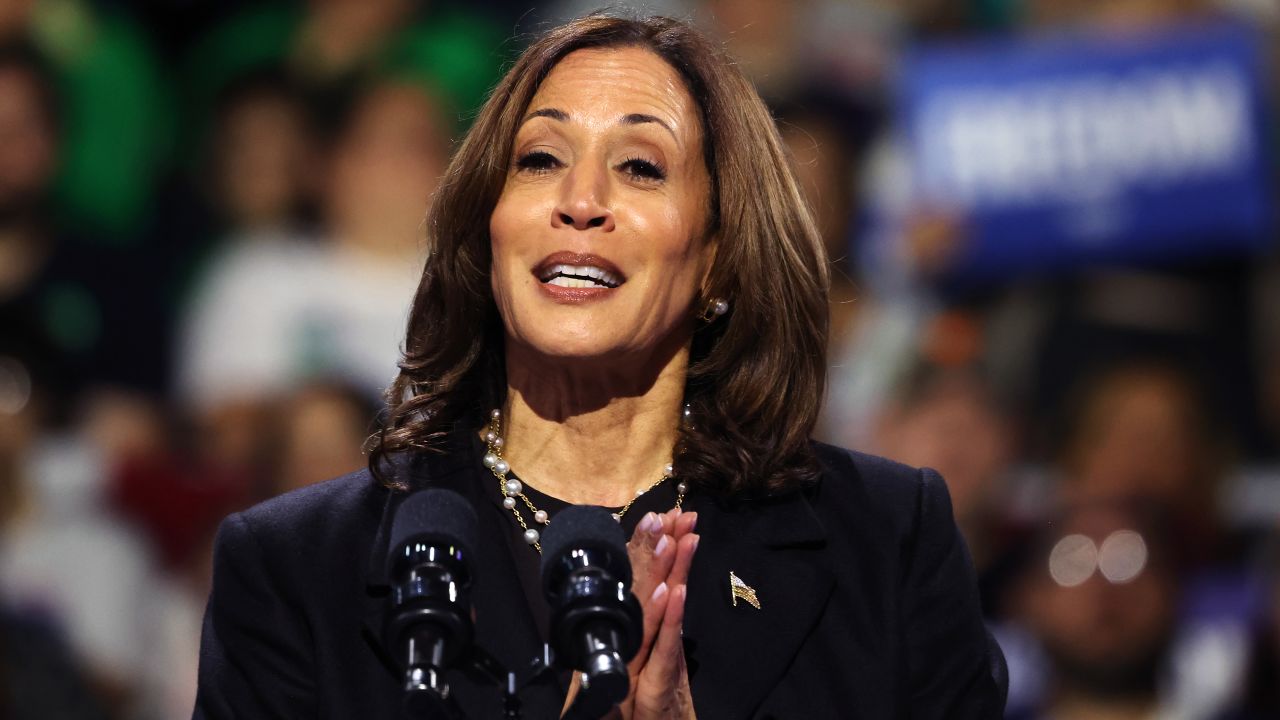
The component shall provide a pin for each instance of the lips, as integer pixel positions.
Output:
(578, 271)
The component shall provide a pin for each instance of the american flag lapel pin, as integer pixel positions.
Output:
(742, 590)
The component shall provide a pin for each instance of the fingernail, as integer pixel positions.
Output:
(696, 539)
(659, 591)
(650, 523)
(661, 546)
(694, 522)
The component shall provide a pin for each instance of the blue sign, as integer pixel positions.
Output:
(1059, 151)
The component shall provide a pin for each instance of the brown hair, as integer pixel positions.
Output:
(756, 374)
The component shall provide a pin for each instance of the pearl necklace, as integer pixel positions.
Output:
(512, 489)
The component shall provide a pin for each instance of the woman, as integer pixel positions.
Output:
(623, 306)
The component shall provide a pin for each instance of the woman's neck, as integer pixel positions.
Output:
(592, 435)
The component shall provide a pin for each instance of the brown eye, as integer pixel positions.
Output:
(643, 169)
(537, 161)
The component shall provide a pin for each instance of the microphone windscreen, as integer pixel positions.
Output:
(435, 515)
(586, 527)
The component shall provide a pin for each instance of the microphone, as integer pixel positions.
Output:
(595, 620)
(429, 624)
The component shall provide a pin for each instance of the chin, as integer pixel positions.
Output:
(572, 347)
(576, 334)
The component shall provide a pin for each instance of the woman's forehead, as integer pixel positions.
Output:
(602, 87)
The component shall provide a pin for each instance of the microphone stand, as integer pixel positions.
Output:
(480, 665)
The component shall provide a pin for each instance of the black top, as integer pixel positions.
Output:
(527, 560)
(868, 605)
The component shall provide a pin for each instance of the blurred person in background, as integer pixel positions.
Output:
(270, 315)
(311, 433)
(99, 330)
(41, 674)
(1145, 429)
(322, 427)
(252, 179)
(1100, 594)
(99, 334)
(1141, 439)
(1141, 431)
(49, 288)
(255, 201)
(116, 111)
(262, 157)
(280, 317)
(65, 558)
(947, 417)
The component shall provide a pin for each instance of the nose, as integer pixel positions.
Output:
(583, 201)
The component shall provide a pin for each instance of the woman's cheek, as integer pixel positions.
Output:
(502, 283)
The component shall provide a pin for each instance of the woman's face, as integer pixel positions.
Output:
(599, 236)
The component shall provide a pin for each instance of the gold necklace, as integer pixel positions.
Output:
(512, 489)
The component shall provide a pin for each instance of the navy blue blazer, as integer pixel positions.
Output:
(869, 605)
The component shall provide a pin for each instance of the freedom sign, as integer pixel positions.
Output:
(1059, 151)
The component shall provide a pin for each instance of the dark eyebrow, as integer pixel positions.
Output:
(632, 119)
(640, 118)
(552, 113)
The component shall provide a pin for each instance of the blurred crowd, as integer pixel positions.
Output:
(210, 236)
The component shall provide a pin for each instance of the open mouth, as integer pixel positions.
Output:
(578, 271)
(580, 276)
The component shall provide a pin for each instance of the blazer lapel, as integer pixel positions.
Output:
(736, 654)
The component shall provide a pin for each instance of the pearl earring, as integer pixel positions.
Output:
(715, 307)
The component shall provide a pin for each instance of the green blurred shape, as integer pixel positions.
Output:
(72, 317)
(116, 117)
(450, 52)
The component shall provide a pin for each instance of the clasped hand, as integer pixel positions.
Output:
(661, 551)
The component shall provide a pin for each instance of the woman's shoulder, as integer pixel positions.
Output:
(851, 471)
(894, 494)
(313, 519)
(851, 465)
(903, 516)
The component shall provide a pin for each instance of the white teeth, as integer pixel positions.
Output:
(570, 282)
(578, 274)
